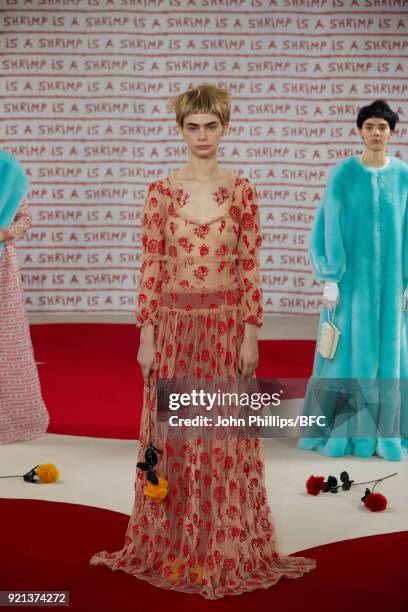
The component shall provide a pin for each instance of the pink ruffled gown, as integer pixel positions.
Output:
(213, 534)
(23, 415)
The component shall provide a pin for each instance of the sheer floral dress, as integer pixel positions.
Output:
(213, 534)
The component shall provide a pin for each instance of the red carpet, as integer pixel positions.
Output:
(92, 383)
(47, 545)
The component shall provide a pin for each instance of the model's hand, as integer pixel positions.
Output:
(331, 295)
(3, 235)
(147, 351)
(248, 356)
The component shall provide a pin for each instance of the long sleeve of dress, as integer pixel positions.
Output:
(22, 222)
(151, 272)
(249, 242)
(326, 249)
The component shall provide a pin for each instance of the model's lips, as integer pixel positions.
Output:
(203, 146)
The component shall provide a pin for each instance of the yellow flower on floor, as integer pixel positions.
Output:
(48, 472)
(156, 492)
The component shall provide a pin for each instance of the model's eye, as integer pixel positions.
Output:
(213, 127)
(192, 128)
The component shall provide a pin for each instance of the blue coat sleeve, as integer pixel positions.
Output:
(405, 247)
(326, 248)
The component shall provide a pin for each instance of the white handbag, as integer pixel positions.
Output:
(328, 338)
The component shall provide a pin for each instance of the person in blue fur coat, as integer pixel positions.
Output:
(359, 249)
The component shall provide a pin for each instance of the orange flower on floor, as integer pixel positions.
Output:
(156, 492)
(47, 472)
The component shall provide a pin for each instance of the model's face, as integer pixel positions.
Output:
(202, 132)
(375, 133)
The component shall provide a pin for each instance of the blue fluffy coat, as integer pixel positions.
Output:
(360, 240)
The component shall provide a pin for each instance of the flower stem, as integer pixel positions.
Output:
(375, 480)
(16, 476)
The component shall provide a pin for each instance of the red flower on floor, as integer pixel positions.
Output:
(375, 502)
(314, 485)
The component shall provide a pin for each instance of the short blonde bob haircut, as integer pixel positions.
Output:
(202, 99)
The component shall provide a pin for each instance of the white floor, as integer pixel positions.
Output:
(100, 472)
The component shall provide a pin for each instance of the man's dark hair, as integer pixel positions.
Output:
(380, 110)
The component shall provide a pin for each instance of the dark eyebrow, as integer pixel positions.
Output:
(381, 123)
(206, 124)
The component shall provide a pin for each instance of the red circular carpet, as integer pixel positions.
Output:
(47, 546)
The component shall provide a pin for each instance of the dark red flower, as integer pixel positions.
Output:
(220, 536)
(375, 502)
(314, 485)
(202, 230)
(186, 244)
(201, 272)
(219, 494)
(235, 213)
(247, 221)
(220, 195)
(152, 246)
(248, 264)
(222, 250)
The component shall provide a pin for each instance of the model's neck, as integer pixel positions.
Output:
(375, 159)
(201, 169)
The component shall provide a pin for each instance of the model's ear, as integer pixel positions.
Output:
(360, 132)
(225, 129)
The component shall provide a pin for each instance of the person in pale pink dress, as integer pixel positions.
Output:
(199, 305)
(23, 415)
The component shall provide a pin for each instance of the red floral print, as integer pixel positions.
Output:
(247, 221)
(235, 213)
(201, 272)
(220, 494)
(222, 250)
(186, 244)
(201, 231)
(182, 197)
(221, 195)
